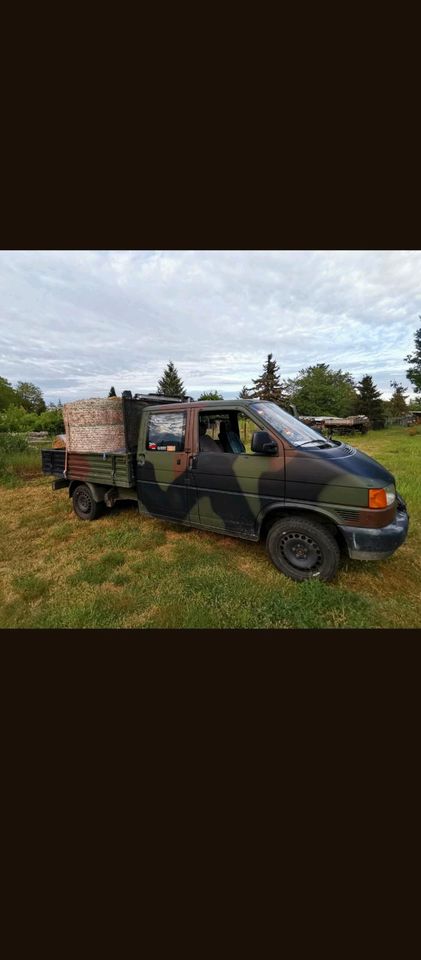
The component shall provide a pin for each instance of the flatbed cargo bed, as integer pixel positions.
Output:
(110, 469)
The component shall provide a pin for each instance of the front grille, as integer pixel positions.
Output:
(351, 518)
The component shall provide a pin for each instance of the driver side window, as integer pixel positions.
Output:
(246, 429)
(225, 431)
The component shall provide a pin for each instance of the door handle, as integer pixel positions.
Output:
(193, 461)
(141, 460)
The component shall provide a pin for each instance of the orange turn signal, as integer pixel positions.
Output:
(377, 499)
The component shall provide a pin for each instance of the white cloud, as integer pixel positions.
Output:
(75, 322)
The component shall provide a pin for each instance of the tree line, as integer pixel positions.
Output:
(317, 390)
(23, 409)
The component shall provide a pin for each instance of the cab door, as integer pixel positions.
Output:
(162, 460)
(230, 490)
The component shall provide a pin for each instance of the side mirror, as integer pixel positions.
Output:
(261, 442)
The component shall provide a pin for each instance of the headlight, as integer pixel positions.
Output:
(390, 494)
(378, 499)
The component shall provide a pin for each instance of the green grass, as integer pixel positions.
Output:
(125, 570)
(99, 571)
(17, 468)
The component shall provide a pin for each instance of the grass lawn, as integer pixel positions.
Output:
(128, 571)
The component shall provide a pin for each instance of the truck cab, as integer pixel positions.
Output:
(196, 465)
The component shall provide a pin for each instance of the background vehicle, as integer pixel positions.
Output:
(329, 425)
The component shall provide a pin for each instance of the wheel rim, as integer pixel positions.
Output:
(300, 551)
(84, 501)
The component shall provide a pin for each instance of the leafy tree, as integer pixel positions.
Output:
(30, 397)
(5, 417)
(7, 394)
(414, 372)
(51, 420)
(170, 384)
(17, 420)
(112, 392)
(268, 385)
(369, 400)
(320, 391)
(397, 403)
(211, 395)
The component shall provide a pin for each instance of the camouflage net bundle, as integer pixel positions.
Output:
(95, 426)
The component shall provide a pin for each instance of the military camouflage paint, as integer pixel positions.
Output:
(235, 493)
(111, 469)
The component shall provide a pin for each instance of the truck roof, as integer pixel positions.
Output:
(199, 404)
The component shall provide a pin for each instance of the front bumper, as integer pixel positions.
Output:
(367, 544)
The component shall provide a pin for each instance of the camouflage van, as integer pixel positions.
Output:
(248, 469)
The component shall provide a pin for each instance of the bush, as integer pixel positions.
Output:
(51, 420)
(13, 443)
(17, 420)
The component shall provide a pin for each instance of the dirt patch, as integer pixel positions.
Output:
(139, 619)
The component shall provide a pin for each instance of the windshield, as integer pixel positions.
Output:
(287, 426)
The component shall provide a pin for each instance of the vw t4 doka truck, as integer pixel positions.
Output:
(309, 497)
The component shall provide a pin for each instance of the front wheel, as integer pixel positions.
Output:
(303, 549)
(84, 505)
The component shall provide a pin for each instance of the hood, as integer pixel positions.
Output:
(342, 463)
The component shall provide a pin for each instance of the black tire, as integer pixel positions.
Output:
(303, 549)
(84, 505)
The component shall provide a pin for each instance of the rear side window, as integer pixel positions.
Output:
(166, 431)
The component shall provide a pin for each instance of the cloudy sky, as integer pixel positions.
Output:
(77, 322)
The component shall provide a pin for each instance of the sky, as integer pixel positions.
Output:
(76, 323)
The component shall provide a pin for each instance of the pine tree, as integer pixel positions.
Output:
(414, 372)
(398, 400)
(244, 393)
(268, 386)
(112, 392)
(368, 401)
(170, 384)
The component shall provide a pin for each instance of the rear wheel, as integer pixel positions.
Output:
(84, 505)
(303, 549)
